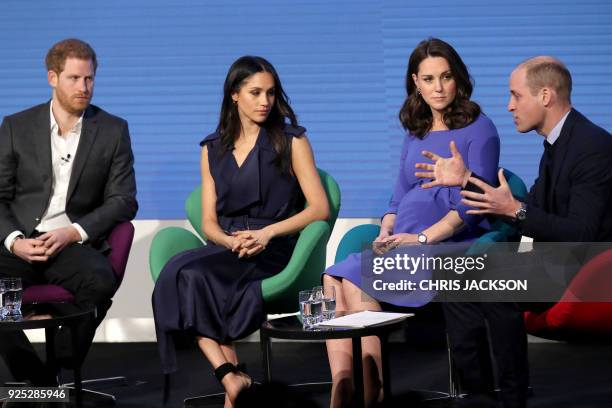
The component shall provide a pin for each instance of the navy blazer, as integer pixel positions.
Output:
(579, 196)
(102, 187)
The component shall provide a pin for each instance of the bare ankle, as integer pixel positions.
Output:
(234, 383)
(342, 392)
(374, 396)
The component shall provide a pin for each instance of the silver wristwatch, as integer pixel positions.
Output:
(521, 213)
(422, 238)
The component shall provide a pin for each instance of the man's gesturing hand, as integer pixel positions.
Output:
(499, 201)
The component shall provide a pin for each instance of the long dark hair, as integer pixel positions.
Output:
(229, 121)
(415, 114)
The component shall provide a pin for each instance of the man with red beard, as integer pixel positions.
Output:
(66, 179)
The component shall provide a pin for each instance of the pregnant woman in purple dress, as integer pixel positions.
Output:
(257, 170)
(437, 110)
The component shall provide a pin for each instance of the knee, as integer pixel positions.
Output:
(329, 281)
(103, 282)
(189, 274)
(347, 287)
(353, 294)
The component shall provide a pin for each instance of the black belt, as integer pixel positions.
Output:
(243, 222)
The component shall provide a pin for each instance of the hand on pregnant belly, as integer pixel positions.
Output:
(393, 241)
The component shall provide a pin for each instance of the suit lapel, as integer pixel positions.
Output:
(88, 134)
(542, 182)
(41, 129)
(561, 146)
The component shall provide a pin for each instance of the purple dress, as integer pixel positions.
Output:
(209, 291)
(418, 208)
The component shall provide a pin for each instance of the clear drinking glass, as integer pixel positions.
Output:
(11, 298)
(2, 308)
(329, 303)
(306, 298)
(317, 304)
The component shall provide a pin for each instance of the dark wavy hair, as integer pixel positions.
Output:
(229, 121)
(415, 114)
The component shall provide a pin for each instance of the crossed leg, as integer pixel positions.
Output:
(218, 354)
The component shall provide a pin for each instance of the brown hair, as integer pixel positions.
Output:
(415, 114)
(548, 72)
(69, 48)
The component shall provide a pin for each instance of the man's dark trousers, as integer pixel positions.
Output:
(81, 270)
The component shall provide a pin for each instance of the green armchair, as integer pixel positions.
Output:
(280, 292)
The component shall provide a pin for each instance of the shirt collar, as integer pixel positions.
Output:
(556, 131)
(55, 127)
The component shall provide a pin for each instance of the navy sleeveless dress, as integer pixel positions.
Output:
(209, 291)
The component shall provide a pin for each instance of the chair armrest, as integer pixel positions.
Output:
(485, 242)
(120, 241)
(354, 240)
(304, 268)
(167, 243)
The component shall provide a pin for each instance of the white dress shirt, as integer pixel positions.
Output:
(554, 134)
(63, 152)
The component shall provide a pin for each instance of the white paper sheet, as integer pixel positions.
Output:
(364, 319)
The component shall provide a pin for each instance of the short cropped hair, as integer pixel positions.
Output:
(551, 73)
(69, 48)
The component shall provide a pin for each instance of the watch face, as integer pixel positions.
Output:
(422, 238)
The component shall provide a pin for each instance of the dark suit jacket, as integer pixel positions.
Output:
(102, 187)
(579, 195)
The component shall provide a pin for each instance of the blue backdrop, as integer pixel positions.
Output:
(162, 66)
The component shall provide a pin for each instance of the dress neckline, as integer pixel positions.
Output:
(248, 155)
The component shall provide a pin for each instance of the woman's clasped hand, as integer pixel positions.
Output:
(249, 242)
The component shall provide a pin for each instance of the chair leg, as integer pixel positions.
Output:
(204, 400)
(108, 381)
(99, 396)
(95, 397)
(454, 390)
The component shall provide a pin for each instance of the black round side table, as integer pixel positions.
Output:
(50, 316)
(290, 328)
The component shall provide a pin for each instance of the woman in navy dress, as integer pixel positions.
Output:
(257, 173)
(437, 110)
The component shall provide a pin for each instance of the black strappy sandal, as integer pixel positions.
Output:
(224, 369)
(218, 398)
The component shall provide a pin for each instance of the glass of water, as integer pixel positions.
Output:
(317, 304)
(329, 303)
(2, 309)
(318, 292)
(306, 298)
(11, 298)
